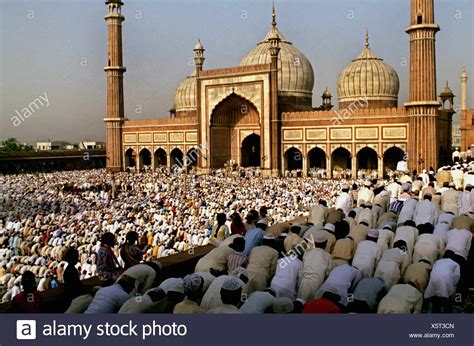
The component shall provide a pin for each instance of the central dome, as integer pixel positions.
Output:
(295, 73)
(368, 78)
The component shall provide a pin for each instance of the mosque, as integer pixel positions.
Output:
(260, 113)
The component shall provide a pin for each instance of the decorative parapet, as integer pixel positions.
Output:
(234, 70)
(352, 112)
(160, 122)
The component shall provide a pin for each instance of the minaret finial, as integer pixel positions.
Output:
(274, 23)
(366, 38)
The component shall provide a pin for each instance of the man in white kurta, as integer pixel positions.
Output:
(287, 277)
(344, 200)
(426, 212)
(408, 210)
(467, 200)
(316, 267)
(450, 200)
(318, 214)
(342, 278)
(389, 267)
(459, 241)
(212, 297)
(257, 302)
(394, 189)
(401, 299)
(429, 247)
(444, 278)
(366, 257)
(262, 265)
(365, 194)
(216, 259)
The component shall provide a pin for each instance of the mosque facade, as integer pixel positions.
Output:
(260, 113)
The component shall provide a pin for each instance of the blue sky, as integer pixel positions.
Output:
(59, 48)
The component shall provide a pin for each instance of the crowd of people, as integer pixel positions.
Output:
(282, 245)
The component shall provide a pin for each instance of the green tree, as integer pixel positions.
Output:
(11, 145)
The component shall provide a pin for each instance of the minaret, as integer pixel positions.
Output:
(464, 79)
(275, 124)
(423, 104)
(199, 57)
(465, 121)
(199, 62)
(114, 71)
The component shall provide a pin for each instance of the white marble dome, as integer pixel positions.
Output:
(185, 96)
(368, 76)
(295, 73)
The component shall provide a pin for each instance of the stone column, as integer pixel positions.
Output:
(305, 166)
(354, 166)
(380, 167)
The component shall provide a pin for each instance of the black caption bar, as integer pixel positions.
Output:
(400, 330)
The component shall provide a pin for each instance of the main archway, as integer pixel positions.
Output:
(228, 116)
(250, 151)
(317, 158)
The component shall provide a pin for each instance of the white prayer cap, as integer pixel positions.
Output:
(231, 284)
(320, 237)
(373, 233)
(368, 183)
(268, 236)
(345, 186)
(283, 305)
(263, 222)
(329, 227)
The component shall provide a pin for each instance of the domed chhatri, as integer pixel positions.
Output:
(447, 92)
(295, 73)
(370, 80)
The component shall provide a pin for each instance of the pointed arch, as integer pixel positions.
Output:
(293, 159)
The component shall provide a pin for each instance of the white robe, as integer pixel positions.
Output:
(443, 279)
(389, 266)
(426, 212)
(316, 266)
(366, 257)
(459, 241)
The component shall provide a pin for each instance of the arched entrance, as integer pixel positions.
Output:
(130, 158)
(227, 117)
(341, 157)
(160, 158)
(144, 158)
(367, 159)
(391, 157)
(176, 160)
(191, 159)
(340, 162)
(317, 158)
(293, 159)
(250, 151)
